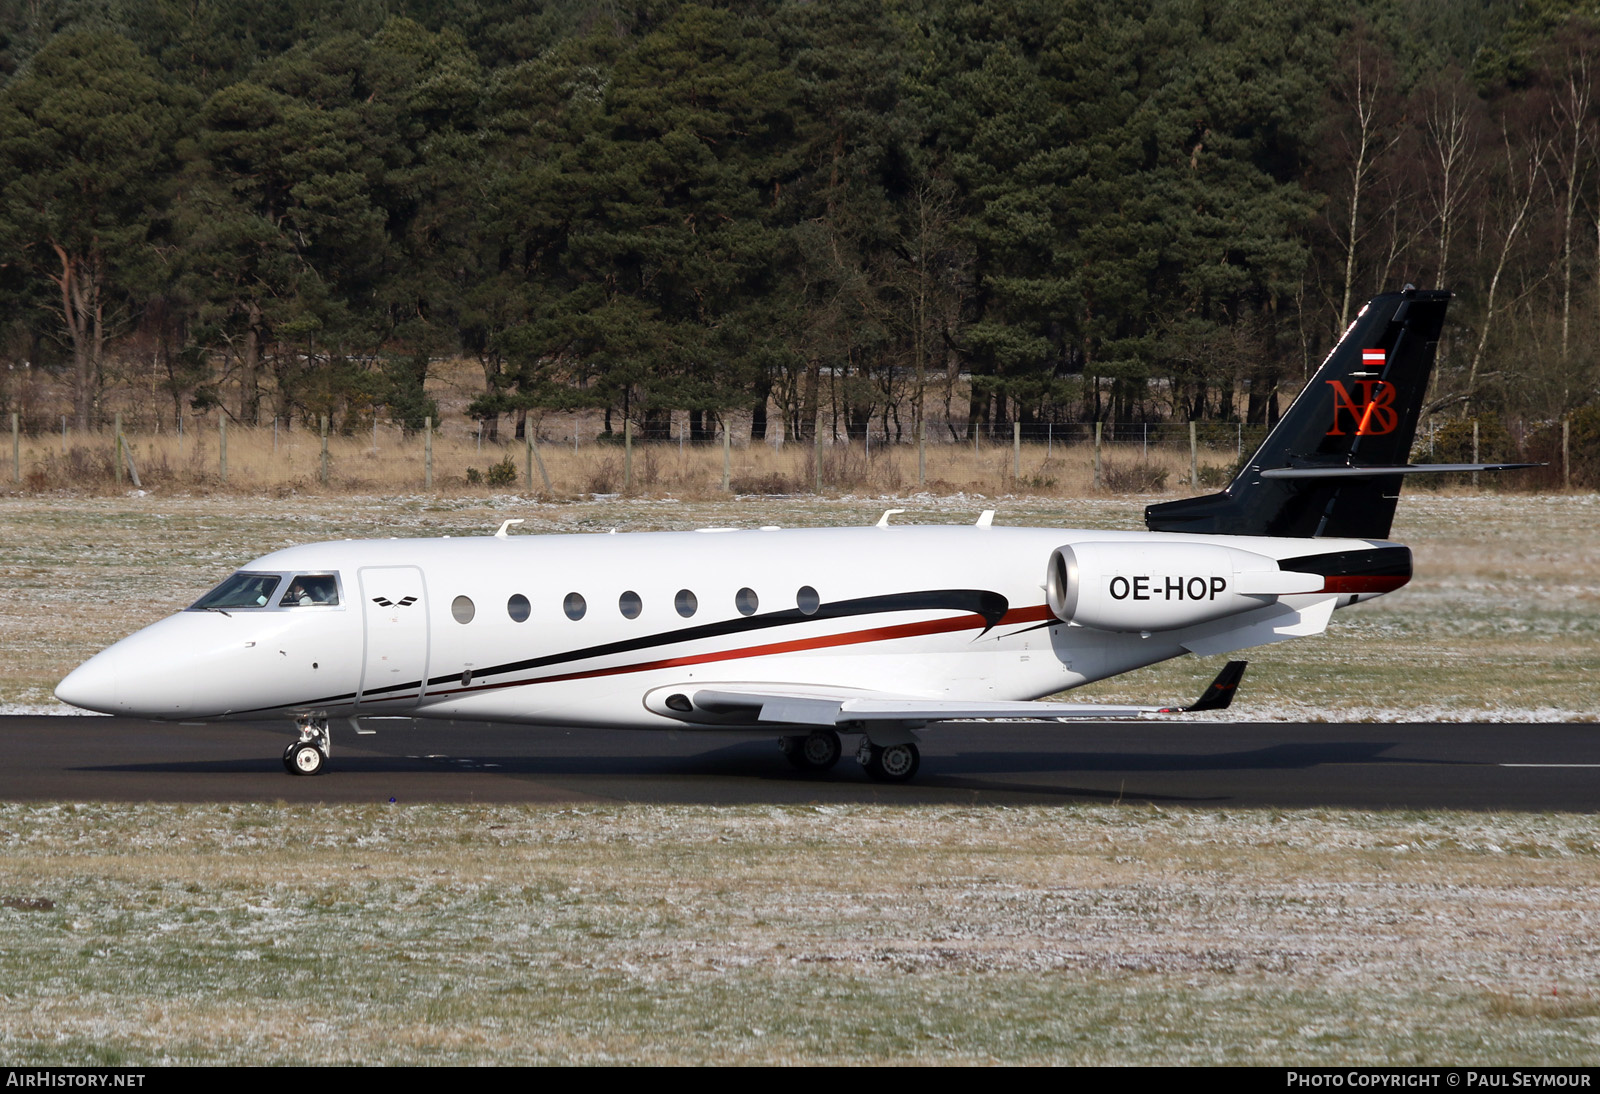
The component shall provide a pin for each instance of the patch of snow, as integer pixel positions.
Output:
(35, 710)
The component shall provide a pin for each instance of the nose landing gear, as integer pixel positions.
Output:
(308, 755)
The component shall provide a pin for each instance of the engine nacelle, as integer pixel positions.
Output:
(1135, 586)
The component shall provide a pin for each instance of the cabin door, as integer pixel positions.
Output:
(394, 602)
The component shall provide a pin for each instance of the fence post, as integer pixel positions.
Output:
(627, 456)
(922, 452)
(1566, 464)
(222, 446)
(1097, 478)
(125, 456)
(116, 428)
(727, 455)
(1194, 457)
(427, 450)
(816, 456)
(538, 460)
(1474, 451)
(323, 475)
(16, 449)
(1016, 452)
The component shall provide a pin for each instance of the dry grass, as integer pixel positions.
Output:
(282, 462)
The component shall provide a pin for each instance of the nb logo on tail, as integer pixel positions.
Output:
(1371, 415)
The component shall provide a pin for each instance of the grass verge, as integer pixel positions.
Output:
(1087, 934)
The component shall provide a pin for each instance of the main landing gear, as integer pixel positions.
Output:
(896, 763)
(308, 755)
(819, 750)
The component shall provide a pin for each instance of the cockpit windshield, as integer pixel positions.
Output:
(306, 590)
(242, 590)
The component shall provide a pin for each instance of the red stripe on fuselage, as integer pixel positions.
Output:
(849, 638)
(1364, 583)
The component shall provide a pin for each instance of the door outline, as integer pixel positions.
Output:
(385, 591)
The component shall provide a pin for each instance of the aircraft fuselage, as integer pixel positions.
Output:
(601, 629)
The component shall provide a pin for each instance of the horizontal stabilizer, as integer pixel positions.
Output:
(1347, 472)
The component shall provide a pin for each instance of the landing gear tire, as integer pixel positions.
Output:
(309, 754)
(305, 758)
(817, 751)
(892, 763)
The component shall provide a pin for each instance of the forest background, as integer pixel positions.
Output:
(844, 214)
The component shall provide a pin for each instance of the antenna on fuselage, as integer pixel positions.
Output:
(501, 534)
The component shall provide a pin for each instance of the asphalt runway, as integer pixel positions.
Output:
(1540, 767)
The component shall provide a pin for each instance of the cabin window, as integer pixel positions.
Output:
(746, 601)
(685, 602)
(574, 605)
(630, 605)
(518, 608)
(807, 600)
(461, 607)
(306, 590)
(241, 590)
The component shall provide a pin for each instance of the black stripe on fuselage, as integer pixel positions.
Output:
(990, 605)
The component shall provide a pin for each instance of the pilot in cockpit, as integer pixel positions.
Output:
(307, 590)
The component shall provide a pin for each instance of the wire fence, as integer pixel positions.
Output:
(572, 454)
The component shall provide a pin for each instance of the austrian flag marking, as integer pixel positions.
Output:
(1369, 410)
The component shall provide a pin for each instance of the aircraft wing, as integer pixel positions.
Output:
(820, 706)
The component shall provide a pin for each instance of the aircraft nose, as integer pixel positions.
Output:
(91, 686)
(139, 676)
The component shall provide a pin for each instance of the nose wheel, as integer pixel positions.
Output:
(304, 759)
(308, 755)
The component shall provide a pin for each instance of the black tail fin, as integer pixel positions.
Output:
(1359, 411)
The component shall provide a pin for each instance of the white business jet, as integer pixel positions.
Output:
(810, 633)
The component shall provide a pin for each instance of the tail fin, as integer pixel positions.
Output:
(1333, 464)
